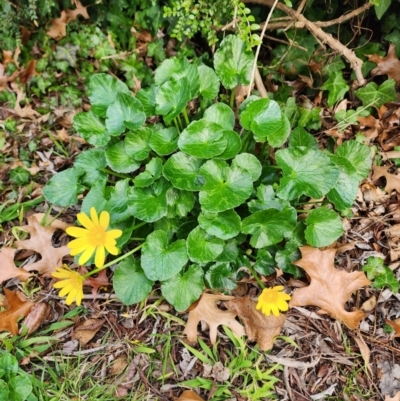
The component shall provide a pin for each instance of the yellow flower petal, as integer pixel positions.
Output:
(278, 288)
(104, 219)
(112, 249)
(114, 233)
(68, 288)
(273, 300)
(85, 221)
(100, 256)
(71, 296)
(86, 255)
(77, 251)
(78, 232)
(94, 217)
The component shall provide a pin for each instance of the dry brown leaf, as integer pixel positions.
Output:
(37, 316)
(364, 350)
(258, 326)
(207, 311)
(388, 65)
(189, 395)
(58, 26)
(95, 282)
(118, 366)
(26, 111)
(18, 307)
(28, 72)
(392, 181)
(41, 242)
(330, 288)
(395, 398)
(85, 331)
(395, 325)
(8, 269)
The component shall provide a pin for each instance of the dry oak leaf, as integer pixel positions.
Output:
(95, 282)
(392, 181)
(58, 27)
(41, 242)
(7, 266)
(388, 65)
(189, 395)
(18, 307)
(395, 325)
(36, 317)
(330, 288)
(85, 331)
(258, 326)
(207, 311)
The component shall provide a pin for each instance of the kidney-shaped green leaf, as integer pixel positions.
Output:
(305, 171)
(164, 141)
(124, 112)
(183, 171)
(184, 288)
(221, 114)
(323, 227)
(233, 63)
(209, 82)
(220, 276)
(224, 225)
(225, 187)
(130, 282)
(202, 247)
(202, 139)
(92, 128)
(268, 227)
(103, 89)
(160, 260)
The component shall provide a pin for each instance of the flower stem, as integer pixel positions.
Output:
(255, 275)
(186, 117)
(232, 99)
(139, 225)
(107, 171)
(113, 261)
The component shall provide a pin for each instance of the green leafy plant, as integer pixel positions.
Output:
(198, 192)
(15, 384)
(380, 274)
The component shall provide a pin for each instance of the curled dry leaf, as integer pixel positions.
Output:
(8, 269)
(95, 282)
(258, 326)
(330, 288)
(395, 325)
(392, 181)
(207, 311)
(37, 316)
(41, 241)
(388, 65)
(18, 306)
(85, 331)
(189, 395)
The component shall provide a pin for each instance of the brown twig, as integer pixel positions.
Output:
(302, 22)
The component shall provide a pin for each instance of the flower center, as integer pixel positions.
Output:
(269, 297)
(97, 236)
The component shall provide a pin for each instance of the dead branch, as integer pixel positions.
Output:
(314, 28)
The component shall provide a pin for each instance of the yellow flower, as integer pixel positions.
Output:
(71, 285)
(273, 300)
(93, 238)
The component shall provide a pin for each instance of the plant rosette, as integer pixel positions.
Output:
(199, 192)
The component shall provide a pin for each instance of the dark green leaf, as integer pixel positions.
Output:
(387, 279)
(91, 162)
(137, 143)
(305, 171)
(249, 163)
(285, 257)
(150, 203)
(265, 263)
(221, 114)
(209, 82)
(230, 252)
(301, 137)
(184, 288)
(374, 267)
(358, 155)
(203, 248)
(172, 98)
(63, 188)
(124, 112)
(268, 227)
(221, 277)
(147, 97)
(130, 282)
(372, 95)
(381, 7)
(233, 145)
(118, 159)
(183, 171)
(225, 187)
(202, 139)
(179, 202)
(92, 128)
(153, 172)
(19, 176)
(233, 63)
(323, 227)
(164, 141)
(266, 200)
(336, 86)
(161, 261)
(103, 89)
(223, 225)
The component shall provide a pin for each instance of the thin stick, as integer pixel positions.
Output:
(259, 46)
